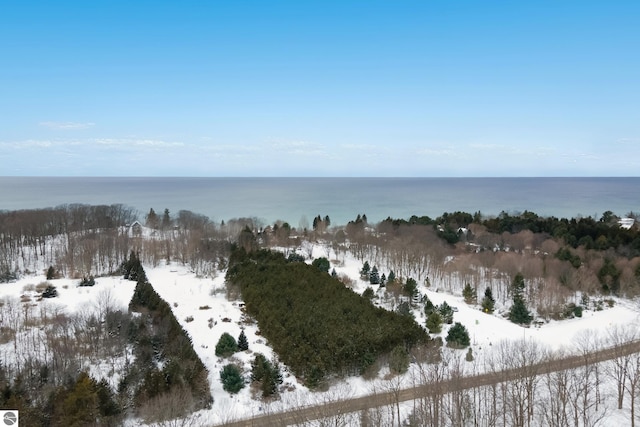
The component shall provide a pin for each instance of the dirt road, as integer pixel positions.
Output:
(299, 415)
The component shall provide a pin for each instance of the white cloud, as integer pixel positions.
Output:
(66, 125)
(448, 152)
(134, 142)
(304, 148)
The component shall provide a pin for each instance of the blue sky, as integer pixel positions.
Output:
(331, 88)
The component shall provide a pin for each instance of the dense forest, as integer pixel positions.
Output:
(317, 326)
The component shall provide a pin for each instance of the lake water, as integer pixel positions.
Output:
(299, 200)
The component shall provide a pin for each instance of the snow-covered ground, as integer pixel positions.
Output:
(201, 306)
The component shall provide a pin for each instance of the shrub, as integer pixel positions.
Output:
(50, 292)
(90, 281)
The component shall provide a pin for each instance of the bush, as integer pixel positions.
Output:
(50, 292)
(90, 281)
(231, 378)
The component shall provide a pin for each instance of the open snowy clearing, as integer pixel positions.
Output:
(203, 310)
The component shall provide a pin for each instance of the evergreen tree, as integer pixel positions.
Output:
(404, 309)
(266, 373)
(469, 356)
(469, 294)
(166, 220)
(327, 221)
(321, 264)
(519, 313)
(458, 336)
(488, 303)
(272, 379)
(80, 407)
(374, 277)
(411, 287)
(334, 273)
(434, 322)
(226, 346)
(428, 306)
(258, 367)
(368, 293)
(152, 219)
(243, 344)
(383, 280)
(231, 378)
(446, 312)
(364, 272)
(399, 360)
(391, 278)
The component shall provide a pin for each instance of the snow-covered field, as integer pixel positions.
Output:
(200, 304)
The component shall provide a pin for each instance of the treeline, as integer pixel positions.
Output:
(149, 366)
(317, 326)
(82, 240)
(166, 363)
(557, 257)
(602, 234)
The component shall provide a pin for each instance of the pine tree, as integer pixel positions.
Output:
(519, 313)
(321, 264)
(383, 280)
(469, 294)
(226, 346)
(469, 356)
(391, 278)
(266, 373)
(458, 336)
(152, 219)
(428, 306)
(399, 360)
(411, 287)
(364, 272)
(488, 303)
(258, 367)
(374, 277)
(272, 379)
(446, 312)
(434, 322)
(166, 220)
(243, 344)
(368, 293)
(231, 378)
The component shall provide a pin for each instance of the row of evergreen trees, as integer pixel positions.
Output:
(165, 358)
